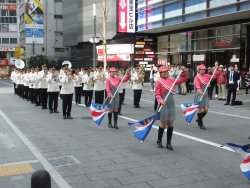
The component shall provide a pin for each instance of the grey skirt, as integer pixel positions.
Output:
(204, 101)
(168, 111)
(115, 101)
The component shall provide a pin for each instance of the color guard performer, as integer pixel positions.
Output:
(99, 85)
(67, 92)
(88, 86)
(112, 83)
(78, 86)
(137, 79)
(43, 86)
(167, 113)
(201, 80)
(53, 90)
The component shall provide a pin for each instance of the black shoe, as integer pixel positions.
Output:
(79, 103)
(168, 146)
(64, 117)
(110, 125)
(138, 106)
(55, 111)
(119, 114)
(135, 106)
(220, 99)
(51, 111)
(37, 104)
(123, 103)
(159, 144)
(69, 117)
(226, 104)
(223, 99)
(115, 126)
(232, 104)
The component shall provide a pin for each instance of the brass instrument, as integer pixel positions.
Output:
(140, 75)
(55, 76)
(98, 76)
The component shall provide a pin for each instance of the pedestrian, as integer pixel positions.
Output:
(190, 78)
(232, 84)
(137, 79)
(213, 84)
(238, 81)
(183, 85)
(221, 83)
(167, 113)
(112, 84)
(178, 70)
(121, 90)
(151, 77)
(156, 78)
(201, 81)
(247, 81)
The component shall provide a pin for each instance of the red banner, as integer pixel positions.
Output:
(126, 16)
(7, 7)
(115, 57)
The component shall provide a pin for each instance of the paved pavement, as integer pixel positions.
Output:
(114, 158)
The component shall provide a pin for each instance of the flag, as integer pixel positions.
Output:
(244, 151)
(98, 111)
(189, 110)
(143, 127)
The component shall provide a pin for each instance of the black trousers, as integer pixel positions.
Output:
(212, 85)
(121, 98)
(22, 91)
(67, 104)
(26, 88)
(137, 97)
(88, 97)
(83, 90)
(60, 87)
(231, 89)
(188, 85)
(36, 96)
(99, 95)
(43, 97)
(78, 94)
(31, 93)
(15, 90)
(53, 100)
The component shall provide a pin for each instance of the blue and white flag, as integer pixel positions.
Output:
(143, 127)
(98, 112)
(189, 110)
(244, 151)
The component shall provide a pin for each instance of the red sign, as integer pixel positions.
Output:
(7, 7)
(115, 57)
(147, 49)
(150, 43)
(126, 16)
(138, 59)
(222, 43)
(151, 56)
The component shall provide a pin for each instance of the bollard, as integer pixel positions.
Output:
(40, 179)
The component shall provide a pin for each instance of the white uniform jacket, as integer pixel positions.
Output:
(26, 79)
(136, 83)
(31, 80)
(52, 83)
(22, 79)
(99, 79)
(87, 80)
(41, 77)
(12, 76)
(77, 81)
(67, 85)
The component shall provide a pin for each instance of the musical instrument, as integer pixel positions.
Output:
(140, 75)
(55, 76)
(98, 76)
(66, 62)
(19, 64)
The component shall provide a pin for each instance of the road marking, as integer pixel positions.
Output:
(21, 162)
(6, 83)
(187, 136)
(54, 174)
(209, 110)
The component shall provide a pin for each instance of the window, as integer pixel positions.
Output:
(58, 33)
(57, 0)
(5, 40)
(43, 49)
(59, 50)
(12, 13)
(13, 40)
(58, 16)
(4, 12)
(0, 40)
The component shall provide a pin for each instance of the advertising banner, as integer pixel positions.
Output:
(7, 7)
(5, 28)
(34, 21)
(126, 16)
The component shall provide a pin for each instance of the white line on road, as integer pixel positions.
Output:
(209, 110)
(54, 174)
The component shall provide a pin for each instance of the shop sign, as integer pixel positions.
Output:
(139, 52)
(7, 7)
(150, 43)
(17, 53)
(143, 62)
(149, 53)
(115, 57)
(198, 57)
(141, 43)
(138, 59)
(222, 43)
(139, 46)
(147, 49)
(7, 49)
(234, 59)
(148, 59)
(126, 16)
(151, 56)
(148, 39)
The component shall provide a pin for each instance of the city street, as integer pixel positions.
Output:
(104, 157)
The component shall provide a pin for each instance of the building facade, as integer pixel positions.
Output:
(8, 29)
(194, 31)
(41, 30)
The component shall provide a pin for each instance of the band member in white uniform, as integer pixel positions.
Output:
(31, 85)
(43, 86)
(78, 86)
(37, 98)
(88, 88)
(137, 79)
(99, 85)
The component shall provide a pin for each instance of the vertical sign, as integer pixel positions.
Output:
(17, 52)
(34, 21)
(126, 16)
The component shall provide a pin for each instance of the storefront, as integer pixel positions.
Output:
(228, 44)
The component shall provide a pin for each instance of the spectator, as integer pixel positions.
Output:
(210, 91)
(214, 84)
(238, 81)
(247, 81)
(151, 77)
(190, 77)
(221, 83)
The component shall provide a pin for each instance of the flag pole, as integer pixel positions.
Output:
(208, 84)
(117, 88)
(170, 90)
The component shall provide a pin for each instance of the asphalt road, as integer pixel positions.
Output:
(115, 158)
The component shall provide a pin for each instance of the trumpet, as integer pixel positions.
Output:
(55, 76)
(140, 75)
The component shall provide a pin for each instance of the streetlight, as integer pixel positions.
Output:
(94, 39)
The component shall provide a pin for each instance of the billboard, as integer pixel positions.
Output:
(126, 16)
(8, 7)
(34, 21)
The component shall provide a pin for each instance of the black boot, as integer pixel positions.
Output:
(110, 119)
(203, 114)
(115, 120)
(169, 138)
(200, 121)
(160, 133)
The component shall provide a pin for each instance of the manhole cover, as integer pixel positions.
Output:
(63, 161)
(86, 117)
